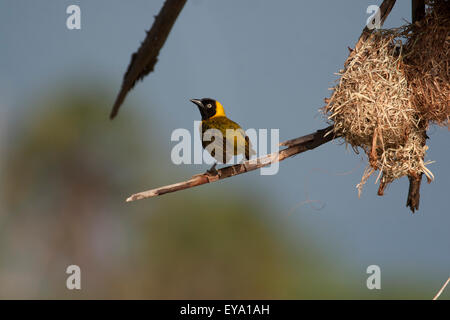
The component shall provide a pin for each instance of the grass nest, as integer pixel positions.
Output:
(392, 87)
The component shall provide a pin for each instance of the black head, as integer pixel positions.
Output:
(209, 108)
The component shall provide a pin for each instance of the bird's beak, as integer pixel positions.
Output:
(197, 102)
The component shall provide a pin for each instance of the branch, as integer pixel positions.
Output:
(385, 9)
(417, 10)
(143, 61)
(294, 146)
(442, 289)
(413, 199)
(417, 13)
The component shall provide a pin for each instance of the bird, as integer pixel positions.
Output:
(234, 140)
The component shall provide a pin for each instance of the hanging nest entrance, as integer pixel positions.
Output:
(392, 87)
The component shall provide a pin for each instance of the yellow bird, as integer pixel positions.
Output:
(234, 140)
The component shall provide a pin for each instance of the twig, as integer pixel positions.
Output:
(442, 289)
(385, 9)
(143, 61)
(302, 144)
(413, 199)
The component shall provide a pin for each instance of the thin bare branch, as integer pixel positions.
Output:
(143, 61)
(385, 9)
(413, 198)
(417, 10)
(305, 143)
(300, 140)
(442, 289)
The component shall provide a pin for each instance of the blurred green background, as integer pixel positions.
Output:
(66, 169)
(65, 175)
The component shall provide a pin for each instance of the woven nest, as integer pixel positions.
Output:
(394, 84)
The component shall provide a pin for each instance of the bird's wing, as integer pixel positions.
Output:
(238, 137)
(241, 141)
(219, 148)
(251, 151)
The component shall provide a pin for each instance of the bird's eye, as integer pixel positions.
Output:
(209, 105)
